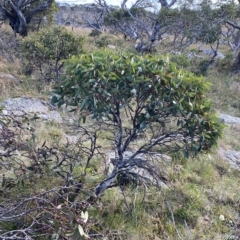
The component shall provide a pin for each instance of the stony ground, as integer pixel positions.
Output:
(47, 112)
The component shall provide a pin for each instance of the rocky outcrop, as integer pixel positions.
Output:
(8, 82)
(140, 170)
(25, 105)
(7, 76)
(225, 118)
(232, 157)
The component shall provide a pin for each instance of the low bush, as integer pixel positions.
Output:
(44, 52)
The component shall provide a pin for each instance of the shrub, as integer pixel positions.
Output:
(140, 96)
(95, 33)
(46, 50)
(102, 42)
(227, 63)
(41, 179)
(181, 60)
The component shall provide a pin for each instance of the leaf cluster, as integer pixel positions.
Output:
(46, 49)
(51, 43)
(202, 23)
(122, 14)
(105, 82)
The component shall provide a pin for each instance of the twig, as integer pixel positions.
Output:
(188, 230)
(173, 220)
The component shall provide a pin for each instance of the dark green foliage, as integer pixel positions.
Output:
(105, 82)
(102, 42)
(43, 18)
(181, 60)
(95, 33)
(227, 63)
(45, 51)
(202, 22)
(203, 67)
(209, 34)
(117, 15)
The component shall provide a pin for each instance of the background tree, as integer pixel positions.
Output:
(21, 12)
(147, 23)
(136, 21)
(44, 18)
(145, 102)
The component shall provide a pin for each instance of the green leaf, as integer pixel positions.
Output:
(54, 99)
(146, 87)
(3, 123)
(56, 225)
(83, 104)
(71, 216)
(114, 90)
(189, 115)
(143, 125)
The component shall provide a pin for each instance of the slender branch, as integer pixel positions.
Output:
(173, 220)
(141, 22)
(37, 10)
(233, 24)
(6, 13)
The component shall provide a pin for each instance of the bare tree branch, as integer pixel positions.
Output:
(18, 18)
(233, 24)
(37, 10)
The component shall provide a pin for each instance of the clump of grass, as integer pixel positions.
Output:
(198, 195)
(50, 132)
(223, 93)
(231, 138)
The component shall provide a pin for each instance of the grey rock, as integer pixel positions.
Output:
(231, 156)
(51, 116)
(127, 154)
(229, 119)
(21, 105)
(157, 160)
(8, 77)
(210, 53)
(72, 139)
(111, 47)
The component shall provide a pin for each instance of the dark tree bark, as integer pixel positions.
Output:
(19, 14)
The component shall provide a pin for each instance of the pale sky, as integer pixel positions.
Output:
(112, 2)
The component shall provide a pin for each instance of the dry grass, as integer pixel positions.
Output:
(117, 41)
(79, 31)
(197, 197)
(201, 189)
(231, 138)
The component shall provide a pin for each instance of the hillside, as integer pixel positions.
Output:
(52, 163)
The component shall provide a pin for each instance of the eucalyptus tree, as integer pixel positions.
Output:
(137, 20)
(21, 12)
(148, 105)
(145, 22)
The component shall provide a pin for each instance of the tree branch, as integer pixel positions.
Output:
(233, 25)
(5, 12)
(37, 10)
